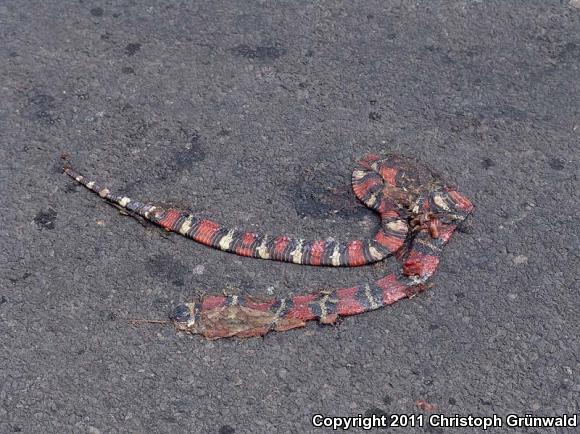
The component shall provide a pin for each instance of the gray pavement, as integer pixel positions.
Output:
(253, 113)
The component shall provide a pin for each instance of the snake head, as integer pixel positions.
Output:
(439, 205)
(183, 316)
(450, 205)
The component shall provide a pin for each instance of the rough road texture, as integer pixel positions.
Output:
(256, 114)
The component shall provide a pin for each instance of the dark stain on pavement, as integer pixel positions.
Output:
(132, 48)
(45, 219)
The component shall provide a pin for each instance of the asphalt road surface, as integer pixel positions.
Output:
(253, 113)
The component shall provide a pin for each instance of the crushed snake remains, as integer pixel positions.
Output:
(418, 213)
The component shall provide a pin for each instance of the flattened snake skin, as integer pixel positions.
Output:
(418, 213)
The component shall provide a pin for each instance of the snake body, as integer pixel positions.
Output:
(418, 213)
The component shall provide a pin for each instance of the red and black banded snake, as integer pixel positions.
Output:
(418, 213)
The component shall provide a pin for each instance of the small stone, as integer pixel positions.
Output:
(520, 259)
(199, 269)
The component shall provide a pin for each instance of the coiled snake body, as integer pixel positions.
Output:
(418, 213)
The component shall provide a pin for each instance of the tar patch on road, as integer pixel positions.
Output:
(165, 267)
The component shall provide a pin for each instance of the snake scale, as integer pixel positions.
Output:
(418, 212)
